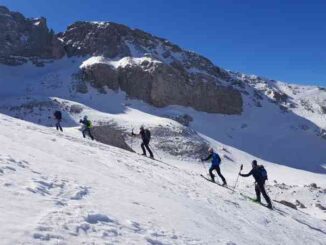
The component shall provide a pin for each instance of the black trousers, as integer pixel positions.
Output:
(260, 189)
(146, 145)
(87, 131)
(58, 125)
(218, 170)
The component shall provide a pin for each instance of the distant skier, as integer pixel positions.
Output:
(146, 137)
(260, 175)
(87, 125)
(216, 161)
(58, 117)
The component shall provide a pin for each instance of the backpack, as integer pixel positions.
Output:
(147, 134)
(57, 115)
(88, 124)
(263, 172)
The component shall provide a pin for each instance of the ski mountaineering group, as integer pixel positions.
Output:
(258, 172)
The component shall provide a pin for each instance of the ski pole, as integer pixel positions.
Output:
(203, 164)
(236, 182)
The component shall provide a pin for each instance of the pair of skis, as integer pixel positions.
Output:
(208, 179)
(230, 188)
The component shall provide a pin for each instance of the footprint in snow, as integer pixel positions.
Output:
(8, 184)
(68, 223)
(60, 191)
(155, 242)
(98, 218)
(81, 193)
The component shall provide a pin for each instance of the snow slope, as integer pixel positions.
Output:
(294, 138)
(58, 188)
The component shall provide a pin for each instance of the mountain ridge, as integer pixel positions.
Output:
(275, 121)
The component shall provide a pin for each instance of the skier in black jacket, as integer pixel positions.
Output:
(260, 176)
(58, 117)
(146, 137)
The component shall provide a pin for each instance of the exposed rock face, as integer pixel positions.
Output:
(299, 204)
(184, 119)
(167, 75)
(163, 74)
(280, 97)
(110, 135)
(289, 204)
(163, 85)
(26, 38)
(86, 38)
(181, 142)
(321, 207)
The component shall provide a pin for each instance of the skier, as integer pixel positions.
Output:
(87, 125)
(146, 137)
(216, 160)
(58, 117)
(260, 175)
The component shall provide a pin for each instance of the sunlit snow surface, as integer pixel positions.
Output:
(58, 188)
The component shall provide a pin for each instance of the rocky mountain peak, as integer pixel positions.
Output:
(23, 38)
(149, 68)
(144, 66)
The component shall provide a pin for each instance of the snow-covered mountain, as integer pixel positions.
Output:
(67, 190)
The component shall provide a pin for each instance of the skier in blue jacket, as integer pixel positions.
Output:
(216, 160)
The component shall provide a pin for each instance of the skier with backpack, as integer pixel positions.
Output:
(87, 125)
(58, 117)
(146, 137)
(216, 161)
(260, 175)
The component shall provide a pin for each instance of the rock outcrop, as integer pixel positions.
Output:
(144, 66)
(150, 68)
(110, 135)
(22, 39)
(163, 85)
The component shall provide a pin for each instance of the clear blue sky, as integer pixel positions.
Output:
(279, 39)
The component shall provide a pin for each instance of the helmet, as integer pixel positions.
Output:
(210, 149)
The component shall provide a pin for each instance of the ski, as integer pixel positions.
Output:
(157, 160)
(264, 205)
(253, 200)
(154, 159)
(209, 180)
